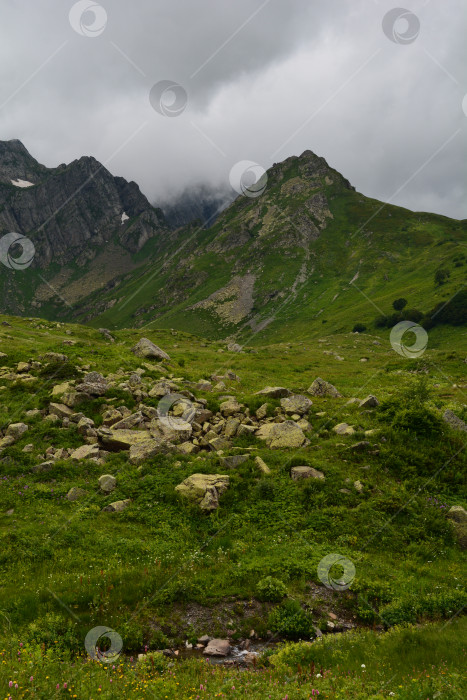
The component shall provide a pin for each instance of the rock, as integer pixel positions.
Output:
(360, 446)
(370, 402)
(107, 483)
(146, 348)
(246, 430)
(210, 501)
(75, 494)
(281, 435)
(298, 473)
(358, 486)
(162, 388)
(115, 440)
(107, 334)
(52, 418)
(43, 466)
(323, 389)
(204, 640)
(93, 384)
(262, 411)
(231, 427)
(85, 452)
(274, 392)
(297, 403)
(60, 389)
(219, 443)
(85, 425)
(33, 413)
(74, 398)
(28, 448)
(60, 410)
(262, 466)
(23, 367)
(187, 448)
(148, 449)
(111, 416)
(172, 429)
(117, 506)
(129, 422)
(458, 514)
(233, 461)
(455, 422)
(217, 647)
(15, 430)
(228, 408)
(343, 429)
(196, 486)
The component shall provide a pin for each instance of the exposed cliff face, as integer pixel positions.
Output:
(71, 212)
(17, 163)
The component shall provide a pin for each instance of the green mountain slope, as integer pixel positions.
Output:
(309, 251)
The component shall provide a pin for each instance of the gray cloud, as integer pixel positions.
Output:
(264, 80)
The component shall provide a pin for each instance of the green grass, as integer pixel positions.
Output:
(68, 567)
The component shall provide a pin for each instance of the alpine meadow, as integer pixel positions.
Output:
(233, 414)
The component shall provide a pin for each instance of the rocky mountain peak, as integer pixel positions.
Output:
(17, 164)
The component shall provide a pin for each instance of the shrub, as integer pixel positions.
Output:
(271, 589)
(399, 304)
(418, 420)
(291, 621)
(441, 276)
(359, 328)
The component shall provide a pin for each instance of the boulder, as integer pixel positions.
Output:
(111, 416)
(85, 452)
(117, 506)
(93, 384)
(458, 517)
(455, 422)
(358, 486)
(148, 449)
(233, 461)
(458, 514)
(217, 647)
(343, 429)
(274, 392)
(229, 407)
(262, 411)
(323, 389)
(115, 440)
(74, 494)
(146, 348)
(298, 473)
(63, 388)
(282, 435)
(196, 486)
(129, 422)
(231, 427)
(297, 403)
(60, 410)
(107, 483)
(370, 402)
(15, 430)
(262, 466)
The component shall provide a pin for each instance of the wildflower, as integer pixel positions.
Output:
(363, 666)
(31, 679)
(10, 684)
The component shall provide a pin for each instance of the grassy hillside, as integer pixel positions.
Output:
(310, 251)
(162, 572)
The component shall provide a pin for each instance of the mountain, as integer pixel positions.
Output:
(196, 204)
(309, 251)
(80, 218)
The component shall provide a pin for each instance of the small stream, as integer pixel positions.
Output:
(237, 653)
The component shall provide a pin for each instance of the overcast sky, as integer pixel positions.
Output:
(264, 80)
